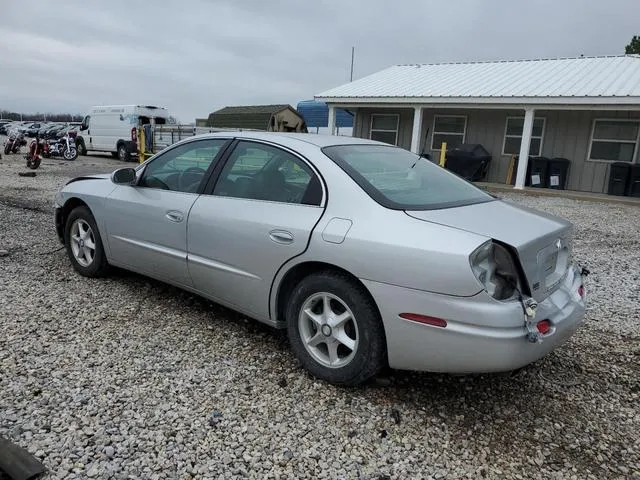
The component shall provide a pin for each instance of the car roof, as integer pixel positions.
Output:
(288, 139)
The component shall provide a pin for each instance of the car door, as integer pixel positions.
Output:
(146, 223)
(261, 212)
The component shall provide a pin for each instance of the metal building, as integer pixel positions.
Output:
(584, 109)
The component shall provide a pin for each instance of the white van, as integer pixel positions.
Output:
(113, 128)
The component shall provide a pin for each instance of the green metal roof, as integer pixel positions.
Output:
(249, 116)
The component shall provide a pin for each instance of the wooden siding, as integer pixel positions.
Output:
(566, 134)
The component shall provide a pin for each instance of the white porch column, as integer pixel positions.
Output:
(417, 130)
(523, 159)
(332, 120)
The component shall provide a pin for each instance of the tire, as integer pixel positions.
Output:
(70, 154)
(7, 149)
(80, 147)
(33, 163)
(83, 262)
(352, 364)
(123, 153)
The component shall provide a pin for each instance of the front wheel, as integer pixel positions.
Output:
(7, 149)
(84, 245)
(33, 161)
(70, 154)
(80, 146)
(335, 329)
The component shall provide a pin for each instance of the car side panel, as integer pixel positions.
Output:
(236, 246)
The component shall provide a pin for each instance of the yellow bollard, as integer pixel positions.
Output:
(443, 153)
(141, 144)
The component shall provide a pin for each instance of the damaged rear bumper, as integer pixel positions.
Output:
(481, 334)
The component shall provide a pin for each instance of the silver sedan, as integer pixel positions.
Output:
(367, 254)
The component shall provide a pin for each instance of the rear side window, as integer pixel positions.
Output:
(401, 180)
(262, 172)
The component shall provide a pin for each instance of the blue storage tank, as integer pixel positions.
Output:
(316, 114)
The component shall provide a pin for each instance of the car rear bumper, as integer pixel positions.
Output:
(481, 335)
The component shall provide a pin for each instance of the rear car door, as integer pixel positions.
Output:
(261, 212)
(146, 223)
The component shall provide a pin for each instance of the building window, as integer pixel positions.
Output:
(614, 140)
(448, 128)
(384, 128)
(513, 136)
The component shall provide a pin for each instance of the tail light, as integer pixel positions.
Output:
(134, 134)
(495, 269)
(544, 326)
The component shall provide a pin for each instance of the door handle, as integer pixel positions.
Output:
(174, 216)
(281, 236)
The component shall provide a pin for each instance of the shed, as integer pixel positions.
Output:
(272, 118)
(583, 109)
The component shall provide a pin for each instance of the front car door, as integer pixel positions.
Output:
(146, 223)
(260, 214)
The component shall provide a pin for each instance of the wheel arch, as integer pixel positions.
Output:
(301, 270)
(69, 205)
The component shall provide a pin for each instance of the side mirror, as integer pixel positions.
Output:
(124, 176)
(83, 127)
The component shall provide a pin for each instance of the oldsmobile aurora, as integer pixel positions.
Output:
(366, 253)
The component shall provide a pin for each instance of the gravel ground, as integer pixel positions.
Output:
(129, 378)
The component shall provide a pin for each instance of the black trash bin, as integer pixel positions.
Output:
(537, 172)
(469, 160)
(558, 173)
(619, 178)
(633, 187)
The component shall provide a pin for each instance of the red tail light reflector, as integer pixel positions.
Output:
(427, 320)
(544, 326)
(581, 290)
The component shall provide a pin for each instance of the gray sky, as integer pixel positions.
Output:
(196, 56)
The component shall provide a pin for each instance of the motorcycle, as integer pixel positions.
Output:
(13, 142)
(34, 155)
(64, 146)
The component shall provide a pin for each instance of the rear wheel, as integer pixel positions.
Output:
(84, 245)
(335, 329)
(123, 153)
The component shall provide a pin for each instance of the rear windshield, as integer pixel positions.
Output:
(401, 180)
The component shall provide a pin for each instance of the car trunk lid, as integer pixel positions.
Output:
(542, 241)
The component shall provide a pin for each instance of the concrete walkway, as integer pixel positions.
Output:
(549, 192)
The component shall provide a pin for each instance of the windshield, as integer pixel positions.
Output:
(401, 180)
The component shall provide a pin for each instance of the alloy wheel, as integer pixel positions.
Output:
(328, 330)
(83, 242)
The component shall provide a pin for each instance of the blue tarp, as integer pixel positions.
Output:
(316, 114)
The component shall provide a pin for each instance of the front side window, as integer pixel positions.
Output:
(181, 169)
(513, 136)
(401, 180)
(258, 171)
(614, 140)
(384, 128)
(450, 129)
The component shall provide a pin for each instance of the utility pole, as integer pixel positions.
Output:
(352, 54)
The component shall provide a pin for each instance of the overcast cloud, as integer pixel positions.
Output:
(196, 56)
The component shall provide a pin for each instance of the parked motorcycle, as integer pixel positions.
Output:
(34, 155)
(13, 142)
(64, 146)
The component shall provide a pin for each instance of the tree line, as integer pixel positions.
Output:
(49, 117)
